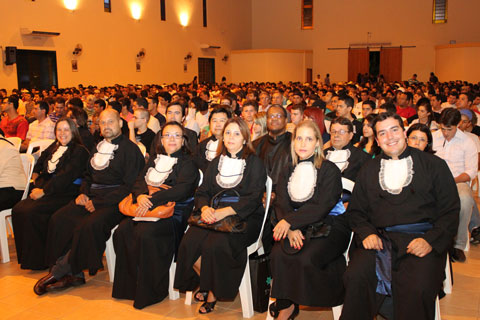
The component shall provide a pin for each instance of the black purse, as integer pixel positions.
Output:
(230, 224)
(316, 230)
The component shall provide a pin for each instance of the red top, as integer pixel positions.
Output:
(17, 127)
(406, 112)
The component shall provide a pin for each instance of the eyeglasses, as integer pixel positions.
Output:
(340, 132)
(275, 116)
(174, 136)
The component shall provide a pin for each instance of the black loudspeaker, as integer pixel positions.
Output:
(10, 55)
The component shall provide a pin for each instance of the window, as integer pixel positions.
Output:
(439, 11)
(162, 10)
(307, 14)
(204, 13)
(107, 6)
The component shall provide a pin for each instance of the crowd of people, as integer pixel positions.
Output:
(154, 159)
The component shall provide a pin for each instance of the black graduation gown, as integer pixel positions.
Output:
(319, 266)
(275, 153)
(224, 255)
(144, 250)
(355, 161)
(200, 154)
(87, 138)
(430, 197)
(83, 233)
(30, 217)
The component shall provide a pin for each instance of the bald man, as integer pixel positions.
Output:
(77, 232)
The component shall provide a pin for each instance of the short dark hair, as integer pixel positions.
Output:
(116, 106)
(384, 116)
(453, 93)
(299, 106)
(470, 96)
(344, 122)
(389, 107)
(285, 113)
(200, 104)
(101, 103)
(219, 109)
(43, 106)
(165, 95)
(142, 102)
(370, 103)
(77, 102)
(450, 117)
(252, 103)
(347, 99)
(14, 100)
(177, 103)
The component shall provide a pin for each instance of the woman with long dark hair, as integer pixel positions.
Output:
(368, 142)
(57, 178)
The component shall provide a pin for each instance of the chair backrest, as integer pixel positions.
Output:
(347, 184)
(28, 162)
(17, 142)
(41, 144)
(268, 186)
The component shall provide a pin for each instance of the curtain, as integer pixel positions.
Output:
(391, 64)
(358, 62)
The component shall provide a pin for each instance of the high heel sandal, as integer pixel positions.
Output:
(204, 295)
(208, 306)
(281, 304)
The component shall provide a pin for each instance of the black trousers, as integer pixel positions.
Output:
(72, 228)
(415, 285)
(30, 224)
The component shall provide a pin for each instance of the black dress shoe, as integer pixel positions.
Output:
(66, 282)
(41, 285)
(458, 255)
(475, 236)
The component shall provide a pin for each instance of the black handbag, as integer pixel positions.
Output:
(316, 230)
(230, 224)
(261, 278)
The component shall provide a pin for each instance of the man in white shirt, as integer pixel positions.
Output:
(460, 153)
(42, 128)
(451, 101)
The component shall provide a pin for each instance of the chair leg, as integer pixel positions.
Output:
(172, 293)
(3, 238)
(188, 298)
(110, 257)
(9, 226)
(337, 311)
(437, 309)
(447, 283)
(246, 293)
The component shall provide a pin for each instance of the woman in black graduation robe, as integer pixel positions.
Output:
(306, 194)
(57, 176)
(144, 250)
(223, 255)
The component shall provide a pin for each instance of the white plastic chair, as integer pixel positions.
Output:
(17, 142)
(28, 163)
(41, 144)
(245, 288)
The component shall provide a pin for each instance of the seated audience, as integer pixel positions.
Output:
(368, 143)
(259, 125)
(13, 124)
(41, 128)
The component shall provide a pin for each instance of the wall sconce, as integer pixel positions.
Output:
(78, 50)
(141, 54)
(136, 10)
(184, 19)
(70, 4)
(188, 57)
(225, 58)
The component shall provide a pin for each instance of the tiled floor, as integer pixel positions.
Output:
(93, 300)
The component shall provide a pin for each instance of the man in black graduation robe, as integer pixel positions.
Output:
(348, 158)
(77, 232)
(405, 206)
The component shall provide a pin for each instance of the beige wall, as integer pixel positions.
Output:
(112, 40)
(342, 22)
(460, 61)
(270, 65)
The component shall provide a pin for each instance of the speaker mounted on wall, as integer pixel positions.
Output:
(10, 55)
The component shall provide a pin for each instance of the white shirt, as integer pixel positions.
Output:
(433, 124)
(41, 130)
(445, 105)
(460, 153)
